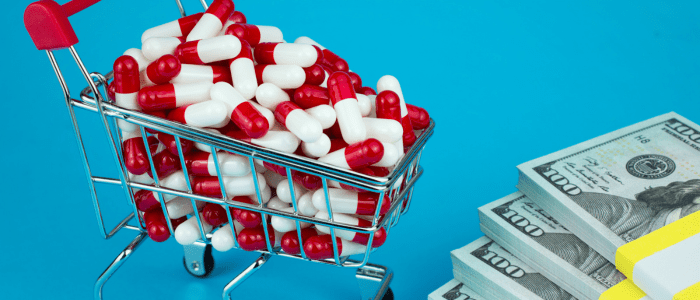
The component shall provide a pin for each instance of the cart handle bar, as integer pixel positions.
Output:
(48, 25)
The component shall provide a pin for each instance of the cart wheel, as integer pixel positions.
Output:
(389, 295)
(208, 261)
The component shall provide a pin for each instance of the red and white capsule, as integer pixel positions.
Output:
(390, 83)
(126, 87)
(235, 186)
(170, 96)
(179, 27)
(351, 202)
(331, 59)
(155, 47)
(212, 21)
(208, 50)
(302, 55)
(255, 34)
(202, 164)
(203, 114)
(360, 238)
(269, 95)
(161, 71)
(299, 122)
(242, 111)
(198, 73)
(283, 76)
(357, 155)
(243, 72)
(346, 107)
(321, 247)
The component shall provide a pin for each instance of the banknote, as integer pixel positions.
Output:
(454, 290)
(523, 228)
(492, 270)
(620, 186)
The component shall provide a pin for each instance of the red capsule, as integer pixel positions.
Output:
(163, 69)
(171, 144)
(165, 163)
(334, 61)
(247, 218)
(251, 239)
(356, 81)
(420, 119)
(275, 168)
(135, 155)
(126, 75)
(308, 181)
(237, 17)
(308, 96)
(367, 91)
(290, 240)
(145, 200)
(214, 214)
(363, 154)
(303, 55)
(315, 75)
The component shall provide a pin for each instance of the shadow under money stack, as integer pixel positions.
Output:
(557, 238)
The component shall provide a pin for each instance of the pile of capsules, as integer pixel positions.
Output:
(212, 70)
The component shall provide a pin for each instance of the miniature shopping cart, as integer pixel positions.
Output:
(47, 23)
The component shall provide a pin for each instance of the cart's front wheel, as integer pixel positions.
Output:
(389, 295)
(200, 267)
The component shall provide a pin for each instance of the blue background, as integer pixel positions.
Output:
(506, 82)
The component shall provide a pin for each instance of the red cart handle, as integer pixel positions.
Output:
(48, 25)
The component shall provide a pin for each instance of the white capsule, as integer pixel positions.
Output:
(243, 77)
(265, 194)
(204, 114)
(307, 40)
(324, 114)
(276, 203)
(284, 76)
(198, 73)
(305, 205)
(179, 207)
(384, 130)
(269, 95)
(283, 224)
(188, 232)
(365, 104)
(243, 185)
(391, 156)
(350, 121)
(285, 195)
(155, 47)
(283, 141)
(222, 240)
(318, 148)
(137, 54)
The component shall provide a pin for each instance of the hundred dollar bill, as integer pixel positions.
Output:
(492, 270)
(454, 290)
(620, 186)
(530, 233)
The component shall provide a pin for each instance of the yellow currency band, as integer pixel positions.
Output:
(631, 253)
(625, 290)
(690, 293)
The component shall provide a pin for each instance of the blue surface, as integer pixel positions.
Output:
(505, 81)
